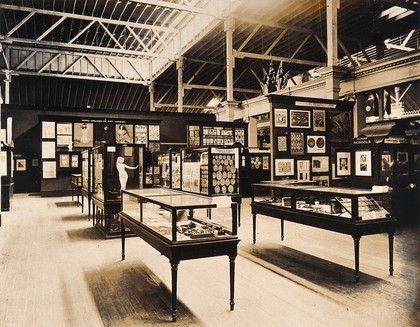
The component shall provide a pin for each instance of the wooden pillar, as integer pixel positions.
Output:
(180, 67)
(152, 96)
(230, 60)
(332, 32)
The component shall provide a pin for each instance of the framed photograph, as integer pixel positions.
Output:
(104, 133)
(74, 163)
(64, 128)
(48, 130)
(280, 117)
(20, 164)
(83, 135)
(386, 161)
(363, 163)
(340, 126)
(124, 133)
(154, 132)
(282, 143)
(64, 161)
(320, 164)
(48, 150)
(303, 170)
(300, 119)
(64, 140)
(140, 134)
(240, 135)
(284, 167)
(297, 143)
(343, 163)
(49, 169)
(402, 160)
(318, 118)
(315, 144)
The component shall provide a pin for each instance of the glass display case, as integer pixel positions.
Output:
(87, 178)
(210, 170)
(167, 168)
(115, 167)
(76, 187)
(6, 172)
(178, 225)
(191, 219)
(350, 211)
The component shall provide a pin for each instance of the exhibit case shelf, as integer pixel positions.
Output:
(179, 226)
(356, 212)
(115, 167)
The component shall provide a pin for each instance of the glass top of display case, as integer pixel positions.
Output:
(344, 191)
(154, 191)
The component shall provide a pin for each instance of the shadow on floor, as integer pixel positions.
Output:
(83, 234)
(335, 277)
(76, 217)
(131, 295)
(65, 204)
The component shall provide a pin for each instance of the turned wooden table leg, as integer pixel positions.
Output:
(356, 239)
(232, 282)
(391, 253)
(174, 270)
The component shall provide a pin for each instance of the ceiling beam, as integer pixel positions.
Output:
(242, 54)
(171, 5)
(89, 18)
(219, 88)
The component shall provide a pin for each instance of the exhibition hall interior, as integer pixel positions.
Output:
(210, 163)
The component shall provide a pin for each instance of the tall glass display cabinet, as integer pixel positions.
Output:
(87, 178)
(6, 169)
(167, 168)
(115, 167)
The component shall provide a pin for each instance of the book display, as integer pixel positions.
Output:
(159, 216)
(116, 167)
(350, 211)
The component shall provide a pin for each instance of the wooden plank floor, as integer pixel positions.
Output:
(57, 270)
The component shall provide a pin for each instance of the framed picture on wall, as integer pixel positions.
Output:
(318, 118)
(64, 161)
(386, 161)
(20, 164)
(315, 144)
(320, 164)
(124, 133)
(282, 143)
(83, 135)
(297, 143)
(140, 134)
(49, 169)
(363, 163)
(48, 150)
(154, 132)
(300, 119)
(64, 128)
(48, 130)
(280, 117)
(284, 167)
(303, 170)
(343, 163)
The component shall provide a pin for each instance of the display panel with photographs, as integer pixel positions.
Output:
(154, 132)
(83, 135)
(300, 119)
(303, 170)
(284, 167)
(363, 163)
(343, 163)
(64, 161)
(402, 160)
